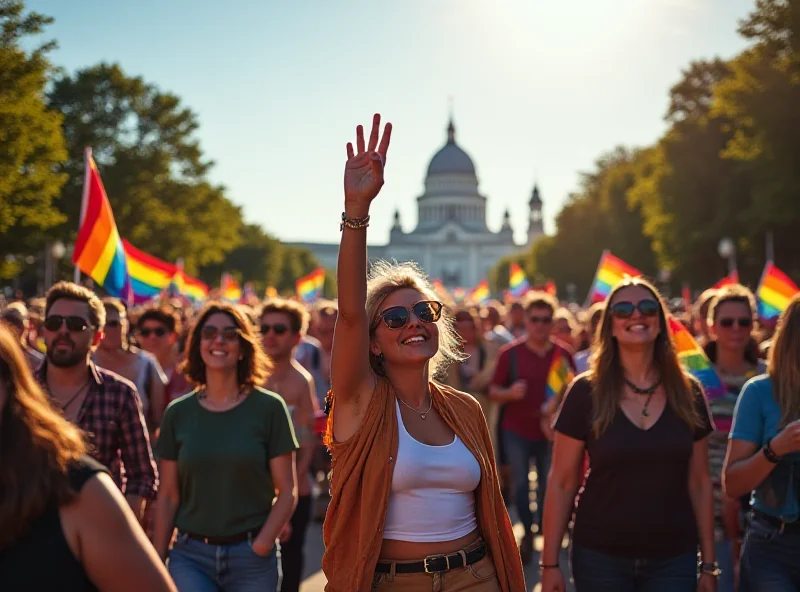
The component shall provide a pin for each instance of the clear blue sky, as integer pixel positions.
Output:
(541, 88)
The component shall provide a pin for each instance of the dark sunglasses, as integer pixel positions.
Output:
(75, 324)
(112, 324)
(427, 311)
(279, 329)
(210, 332)
(147, 331)
(624, 310)
(744, 323)
(540, 320)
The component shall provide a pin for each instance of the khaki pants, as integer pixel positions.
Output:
(478, 577)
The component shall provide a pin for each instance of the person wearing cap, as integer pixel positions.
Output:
(15, 316)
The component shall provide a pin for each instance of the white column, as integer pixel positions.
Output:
(474, 272)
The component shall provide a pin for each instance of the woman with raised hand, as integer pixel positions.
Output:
(764, 458)
(226, 460)
(415, 500)
(65, 524)
(647, 501)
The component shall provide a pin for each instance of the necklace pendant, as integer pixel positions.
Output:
(645, 412)
(422, 415)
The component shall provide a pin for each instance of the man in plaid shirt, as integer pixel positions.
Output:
(103, 404)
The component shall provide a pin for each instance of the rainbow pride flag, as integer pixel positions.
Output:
(150, 276)
(610, 272)
(230, 289)
(694, 360)
(309, 288)
(774, 292)
(518, 284)
(480, 293)
(459, 294)
(559, 375)
(440, 290)
(98, 249)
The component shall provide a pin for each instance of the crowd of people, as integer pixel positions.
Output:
(177, 447)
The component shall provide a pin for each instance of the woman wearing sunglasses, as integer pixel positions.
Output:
(415, 500)
(226, 455)
(734, 353)
(647, 499)
(764, 458)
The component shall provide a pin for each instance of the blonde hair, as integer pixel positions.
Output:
(297, 313)
(784, 363)
(731, 293)
(384, 279)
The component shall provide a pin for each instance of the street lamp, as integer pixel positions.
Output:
(59, 250)
(52, 255)
(727, 250)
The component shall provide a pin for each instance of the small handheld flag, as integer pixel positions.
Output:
(230, 288)
(309, 288)
(518, 284)
(774, 292)
(559, 375)
(481, 293)
(694, 360)
(610, 272)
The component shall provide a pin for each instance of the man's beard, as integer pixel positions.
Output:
(67, 359)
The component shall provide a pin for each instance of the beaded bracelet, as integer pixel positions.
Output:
(354, 223)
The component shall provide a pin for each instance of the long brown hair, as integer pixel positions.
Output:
(784, 362)
(607, 374)
(36, 446)
(253, 369)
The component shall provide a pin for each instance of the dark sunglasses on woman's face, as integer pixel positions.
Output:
(427, 311)
(624, 310)
(210, 332)
(75, 324)
(157, 331)
(279, 329)
(744, 323)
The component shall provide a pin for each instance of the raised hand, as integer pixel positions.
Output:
(363, 172)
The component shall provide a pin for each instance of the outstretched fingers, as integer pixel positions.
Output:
(387, 137)
(360, 139)
(373, 135)
(350, 153)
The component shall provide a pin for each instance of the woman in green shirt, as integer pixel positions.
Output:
(226, 455)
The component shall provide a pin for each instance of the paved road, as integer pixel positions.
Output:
(315, 580)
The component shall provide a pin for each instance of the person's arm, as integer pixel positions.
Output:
(351, 376)
(283, 476)
(137, 455)
(306, 412)
(701, 493)
(169, 500)
(114, 550)
(746, 467)
(498, 390)
(157, 393)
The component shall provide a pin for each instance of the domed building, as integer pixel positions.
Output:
(451, 241)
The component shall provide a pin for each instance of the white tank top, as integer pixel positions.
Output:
(433, 491)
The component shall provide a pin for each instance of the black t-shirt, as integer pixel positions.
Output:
(41, 559)
(635, 501)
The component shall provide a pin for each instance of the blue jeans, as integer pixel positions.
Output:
(724, 553)
(519, 452)
(598, 572)
(198, 567)
(770, 559)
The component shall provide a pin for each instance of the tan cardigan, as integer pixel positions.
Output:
(361, 481)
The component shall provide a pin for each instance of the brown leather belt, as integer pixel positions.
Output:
(223, 540)
(436, 563)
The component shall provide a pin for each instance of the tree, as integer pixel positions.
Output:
(151, 163)
(31, 142)
(257, 259)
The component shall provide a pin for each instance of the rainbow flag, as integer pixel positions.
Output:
(610, 272)
(98, 249)
(309, 288)
(440, 290)
(480, 293)
(230, 288)
(694, 360)
(774, 292)
(459, 294)
(150, 276)
(518, 284)
(559, 376)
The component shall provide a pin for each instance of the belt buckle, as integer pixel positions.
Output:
(428, 570)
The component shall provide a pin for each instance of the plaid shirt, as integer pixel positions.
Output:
(111, 416)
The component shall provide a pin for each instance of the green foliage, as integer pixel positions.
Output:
(31, 145)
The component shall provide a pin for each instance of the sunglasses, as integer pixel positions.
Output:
(540, 320)
(427, 311)
(744, 323)
(210, 332)
(279, 329)
(112, 324)
(157, 331)
(624, 310)
(75, 324)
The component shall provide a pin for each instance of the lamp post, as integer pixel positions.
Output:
(727, 250)
(52, 256)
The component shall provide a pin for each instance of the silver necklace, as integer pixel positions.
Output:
(422, 414)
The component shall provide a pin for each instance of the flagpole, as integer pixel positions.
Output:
(87, 155)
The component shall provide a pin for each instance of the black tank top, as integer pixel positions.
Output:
(42, 559)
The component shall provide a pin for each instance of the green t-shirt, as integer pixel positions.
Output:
(223, 460)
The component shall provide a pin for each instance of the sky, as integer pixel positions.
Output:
(540, 89)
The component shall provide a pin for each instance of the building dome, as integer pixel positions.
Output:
(451, 159)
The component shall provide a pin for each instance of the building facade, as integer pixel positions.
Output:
(452, 241)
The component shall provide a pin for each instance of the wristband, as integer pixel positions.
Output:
(548, 565)
(354, 223)
(770, 453)
(711, 569)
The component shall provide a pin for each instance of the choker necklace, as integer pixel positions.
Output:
(649, 391)
(422, 414)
